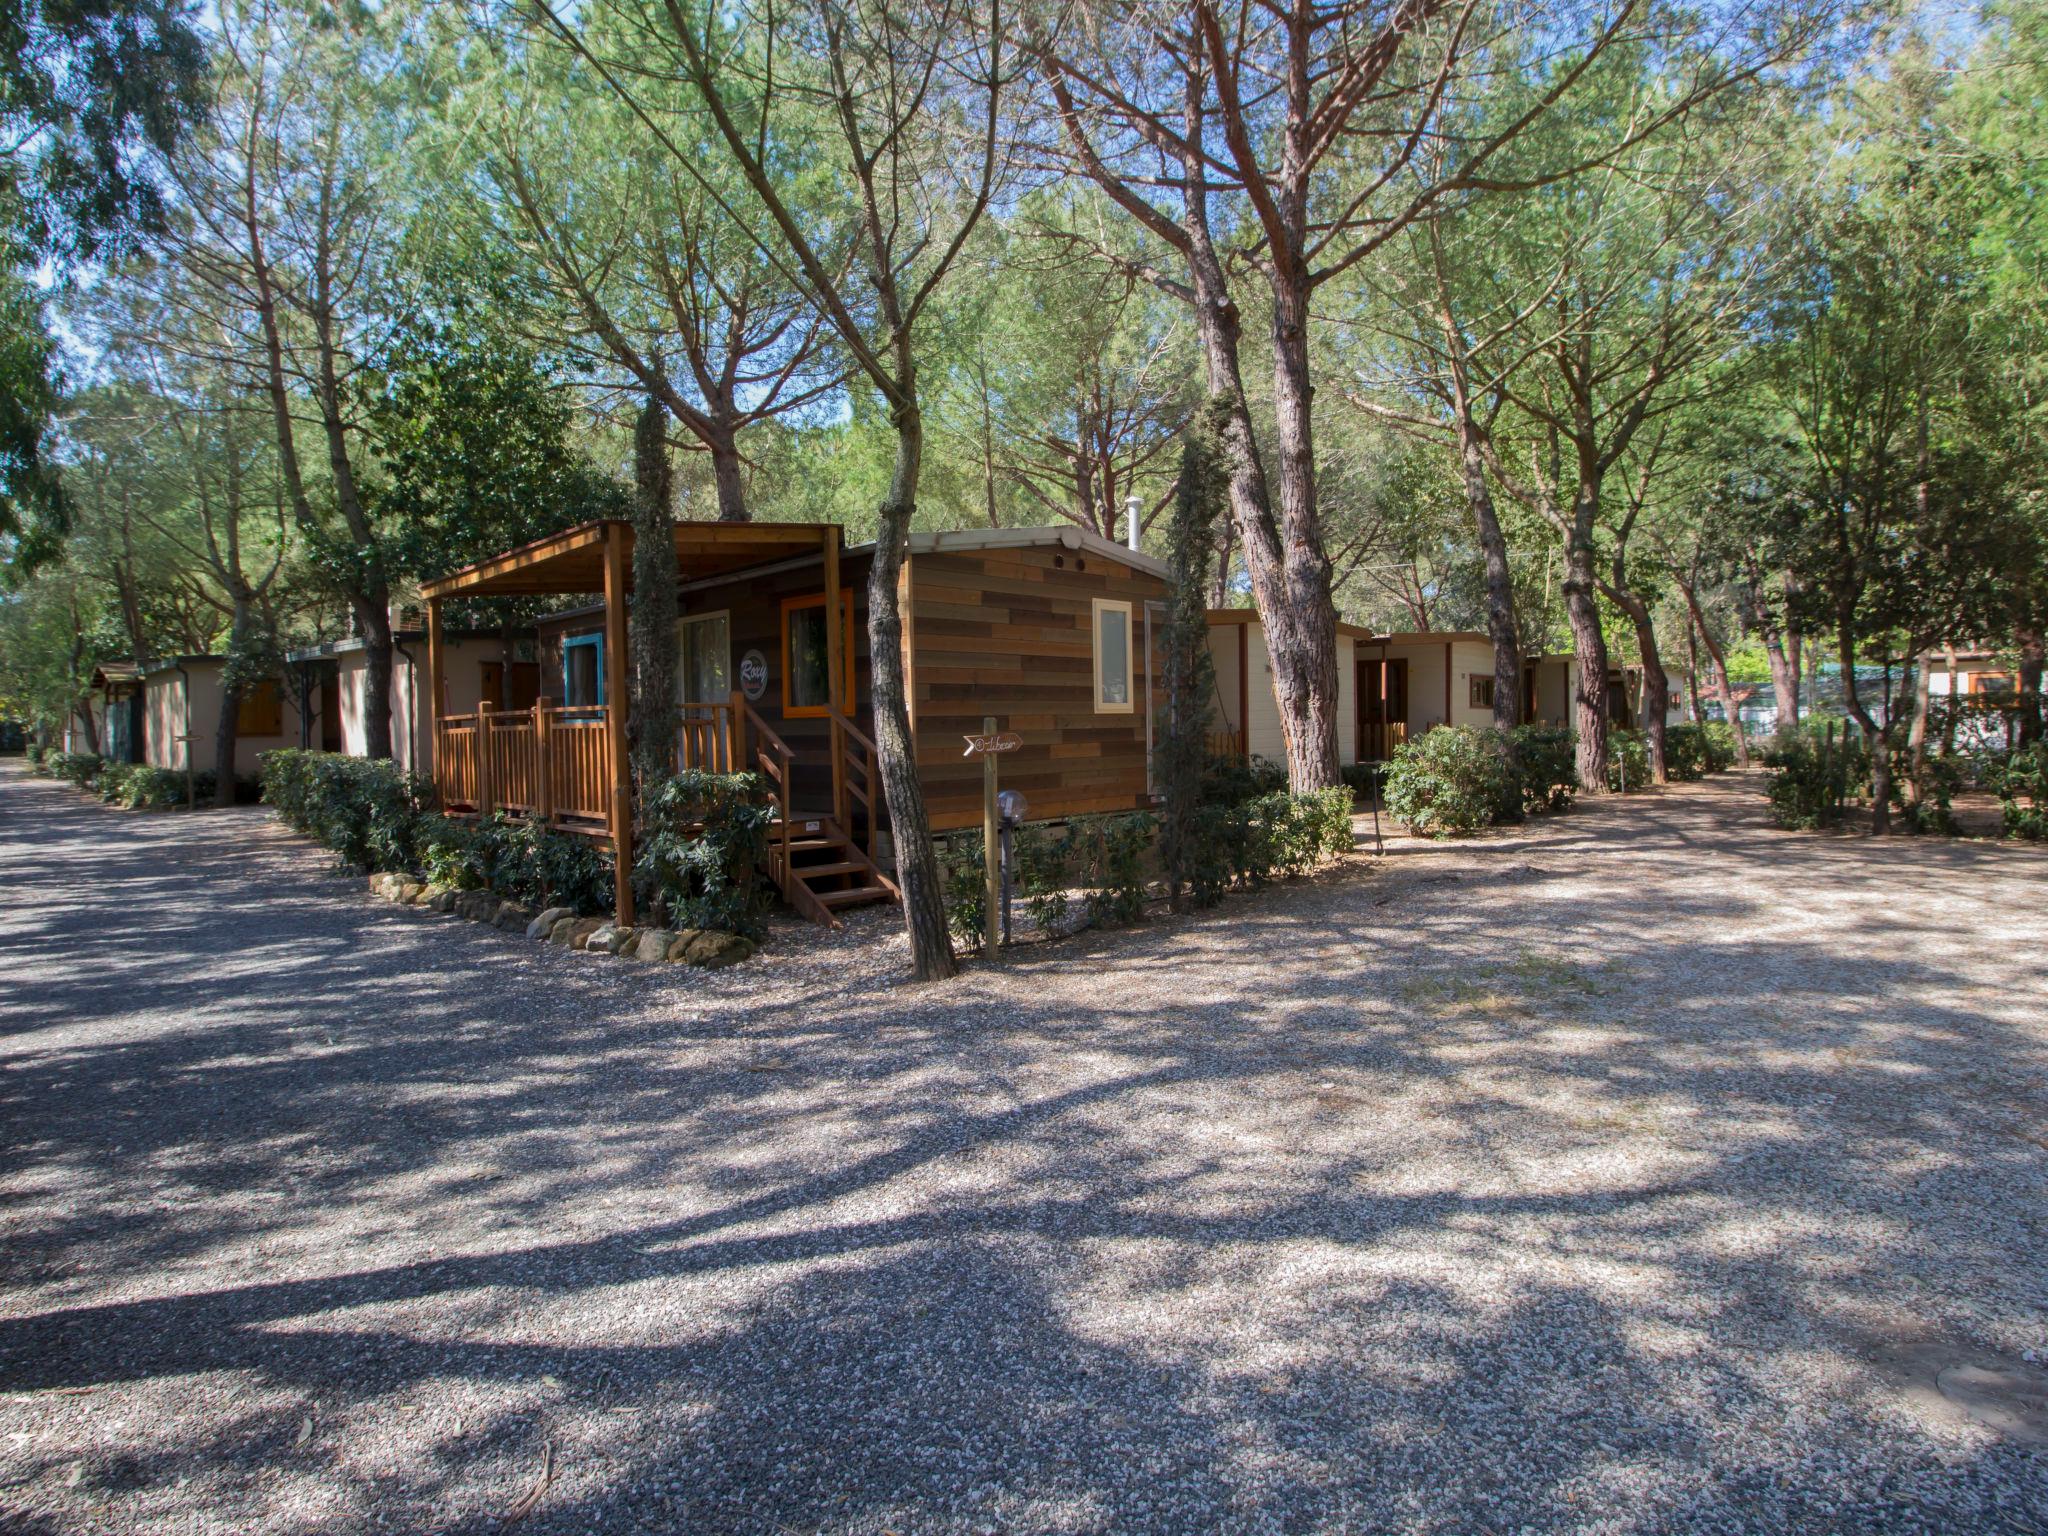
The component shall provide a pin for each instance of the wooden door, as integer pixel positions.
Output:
(523, 687)
(491, 680)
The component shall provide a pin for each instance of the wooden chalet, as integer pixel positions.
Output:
(1049, 630)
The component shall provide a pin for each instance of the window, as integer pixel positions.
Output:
(583, 671)
(1112, 657)
(262, 710)
(1481, 691)
(803, 655)
(704, 659)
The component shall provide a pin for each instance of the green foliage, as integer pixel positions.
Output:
(1450, 781)
(78, 769)
(1718, 739)
(1109, 863)
(1039, 862)
(965, 873)
(1540, 757)
(2020, 781)
(1812, 773)
(1253, 842)
(1628, 761)
(136, 786)
(704, 839)
(1190, 672)
(1932, 807)
(1234, 780)
(364, 811)
(1685, 753)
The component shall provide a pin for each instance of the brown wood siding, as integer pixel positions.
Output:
(1009, 633)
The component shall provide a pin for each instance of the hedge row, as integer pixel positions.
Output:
(1454, 780)
(703, 840)
(132, 786)
(1101, 865)
(371, 817)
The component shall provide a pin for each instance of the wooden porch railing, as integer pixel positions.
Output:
(1226, 743)
(708, 736)
(546, 762)
(1380, 740)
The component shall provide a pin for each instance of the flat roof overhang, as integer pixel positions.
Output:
(573, 560)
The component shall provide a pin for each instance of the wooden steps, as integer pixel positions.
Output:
(826, 870)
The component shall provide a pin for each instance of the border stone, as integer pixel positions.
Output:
(544, 925)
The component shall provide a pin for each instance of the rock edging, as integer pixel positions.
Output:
(707, 948)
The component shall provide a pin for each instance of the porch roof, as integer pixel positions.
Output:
(573, 560)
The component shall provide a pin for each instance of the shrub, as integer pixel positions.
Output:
(2021, 783)
(1234, 780)
(1040, 860)
(363, 810)
(78, 769)
(1449, 781)
(1719, 739)
(1364, 780)
(1546, 774)
(135, 786)
(1628, 761)
(37, 751)
(1685, 752)
(705, 838)
(965, 874)
(1812, 775)
(1109, 853)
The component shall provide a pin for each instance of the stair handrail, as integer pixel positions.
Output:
(843, 732)
(778, 771)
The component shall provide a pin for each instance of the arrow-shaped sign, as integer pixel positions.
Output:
(995, 741)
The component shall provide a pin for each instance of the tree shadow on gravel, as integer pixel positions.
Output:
(1508, 1204)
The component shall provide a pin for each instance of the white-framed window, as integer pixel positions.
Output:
(1112, 648)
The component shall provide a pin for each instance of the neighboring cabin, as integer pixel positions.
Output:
(1391, 688)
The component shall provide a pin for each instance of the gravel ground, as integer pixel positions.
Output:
(1645, 1171)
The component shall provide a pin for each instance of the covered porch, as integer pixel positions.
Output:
(567, 762)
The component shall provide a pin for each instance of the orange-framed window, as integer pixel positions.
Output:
(804, 664)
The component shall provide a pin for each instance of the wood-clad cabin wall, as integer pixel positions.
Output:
(1009, 633)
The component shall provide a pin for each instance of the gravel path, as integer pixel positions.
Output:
(1645, 1171)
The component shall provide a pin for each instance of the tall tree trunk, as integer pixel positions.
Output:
(917, 865)
(1295, 601)
(728, 479)
(1589, 647)
(653, 614)
(1656, 681)
(1794, 645)
(2032, 653)
(1916, 735)
(1719, 659)
(1879, 740)
(227, 731)
(1692, 674)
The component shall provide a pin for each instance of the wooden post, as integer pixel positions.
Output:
(835, 664)
(615, 664)
(543, 765)
(736, 735)
(435, 689)
(991, 845)
(486, 791)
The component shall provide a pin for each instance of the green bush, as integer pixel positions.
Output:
(1450, 780)
(965, 874)
(363, 810)
(136, 786)
(1628, 761)
(1685, 752)
(1545, 769)
(37, 751)
(705, 838)
(78, 769)
(1719, 737)
(1234, 780)
(1109, 862)
(1812, 775)
(2020, 781)
(1039, 860)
